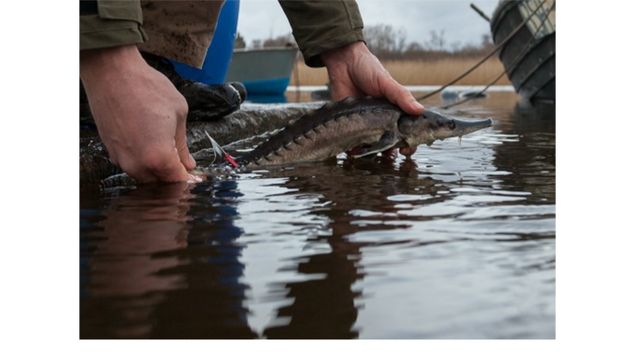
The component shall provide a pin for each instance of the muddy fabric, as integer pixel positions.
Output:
(180, 30)
(319, 26)
(183, 30)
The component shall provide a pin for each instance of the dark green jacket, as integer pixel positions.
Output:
(110, 23)
(317, 26)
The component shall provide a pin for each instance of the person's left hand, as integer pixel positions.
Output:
(355, 72)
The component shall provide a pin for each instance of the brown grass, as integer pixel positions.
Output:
(420, 72)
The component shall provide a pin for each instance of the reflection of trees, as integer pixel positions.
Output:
(324, 305)
(137, 281)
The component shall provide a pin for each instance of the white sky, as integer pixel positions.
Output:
(262, 19)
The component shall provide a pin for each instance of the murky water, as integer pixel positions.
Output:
(457, 243)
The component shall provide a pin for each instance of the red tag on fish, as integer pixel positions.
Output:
(219, 150)
(231, 160)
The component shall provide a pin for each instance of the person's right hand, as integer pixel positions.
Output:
(355, 72)
(139, 114)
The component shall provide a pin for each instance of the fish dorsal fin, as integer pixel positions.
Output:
(313, 120)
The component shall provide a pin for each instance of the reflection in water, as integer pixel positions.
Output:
(457, 243)
(323, 305)
(138, 278)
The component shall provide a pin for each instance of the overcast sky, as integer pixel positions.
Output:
(261, 19)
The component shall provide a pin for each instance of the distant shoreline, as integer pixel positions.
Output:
(421, 88)
(424, 72)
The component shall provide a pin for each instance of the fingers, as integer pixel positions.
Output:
(169, 159)
(398, 94)
(195, 178)
(354, 151)
(407, 151)
(390, 154)
(175, 171)
(155, 165)
(181, 146)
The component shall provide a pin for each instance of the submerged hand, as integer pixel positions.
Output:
(355, 72)
(139, 114)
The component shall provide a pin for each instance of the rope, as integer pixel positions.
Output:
(296, 74)
(517, 59)
(499, 46)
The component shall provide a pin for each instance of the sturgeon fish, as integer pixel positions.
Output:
(375, 125)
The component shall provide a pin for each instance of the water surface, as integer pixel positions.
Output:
(458, 242)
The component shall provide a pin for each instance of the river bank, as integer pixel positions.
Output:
(418, 72)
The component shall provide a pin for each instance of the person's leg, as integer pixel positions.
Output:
(182, 31)
(205, 102)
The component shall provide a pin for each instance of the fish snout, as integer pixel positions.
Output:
(466, 127)
(458, 127)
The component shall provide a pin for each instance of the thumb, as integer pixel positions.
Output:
(398, 94)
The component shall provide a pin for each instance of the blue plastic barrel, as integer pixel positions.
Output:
(220, 51)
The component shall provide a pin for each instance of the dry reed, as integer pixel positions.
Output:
(419, 72)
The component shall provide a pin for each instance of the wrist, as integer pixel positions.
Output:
(343, 54)
(97, 63)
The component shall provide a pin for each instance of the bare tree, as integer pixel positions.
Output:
(436, 41)
(387, 43)
(240, 41)
(280, 41)
(384, 41)
(456, 46)
(487, 42)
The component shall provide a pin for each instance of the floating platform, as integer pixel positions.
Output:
(265, 71)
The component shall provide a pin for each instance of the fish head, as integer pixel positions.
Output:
(431, 126)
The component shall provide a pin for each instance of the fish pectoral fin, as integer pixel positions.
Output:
(387, 141)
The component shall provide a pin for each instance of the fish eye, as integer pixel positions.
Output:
(452, 125)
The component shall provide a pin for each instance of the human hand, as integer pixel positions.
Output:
(139, 114)
(355, 72)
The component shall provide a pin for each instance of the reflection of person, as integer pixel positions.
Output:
(146, 274)
(139, 112)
